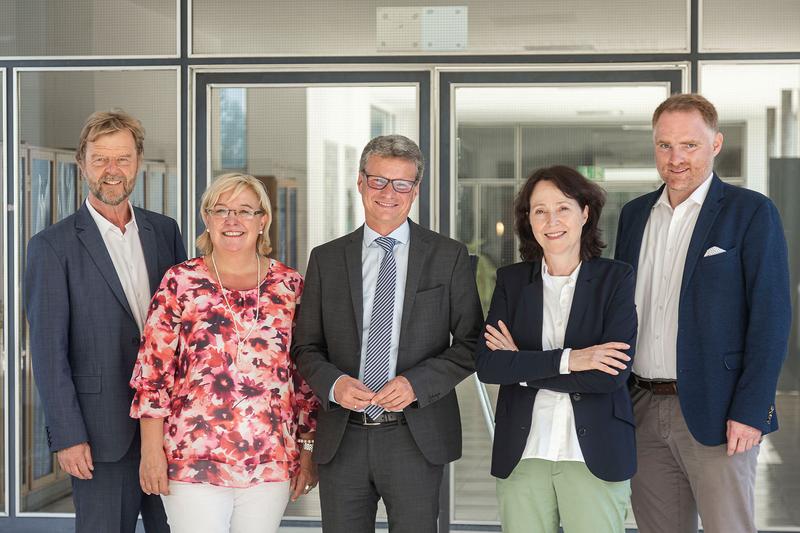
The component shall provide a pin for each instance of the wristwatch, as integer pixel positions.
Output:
(307, 444)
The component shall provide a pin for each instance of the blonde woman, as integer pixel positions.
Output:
(227, 424)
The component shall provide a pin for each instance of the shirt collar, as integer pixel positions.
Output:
(549, 278)
(698, 196)
(401, 234)
(104, 225)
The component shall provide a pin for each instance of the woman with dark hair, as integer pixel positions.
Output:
(559, 340)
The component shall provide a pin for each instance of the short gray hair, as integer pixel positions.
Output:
(393, 146)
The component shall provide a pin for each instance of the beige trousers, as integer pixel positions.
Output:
(679, 478)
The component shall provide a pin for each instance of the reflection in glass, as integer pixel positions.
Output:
(155, 189)
(40, 195)
(233, 127)
(137, 196)
(67, 175)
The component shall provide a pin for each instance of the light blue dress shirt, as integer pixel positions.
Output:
(371, 257)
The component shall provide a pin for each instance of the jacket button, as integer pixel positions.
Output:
(135, 341)
(582, 432)
(576, 397)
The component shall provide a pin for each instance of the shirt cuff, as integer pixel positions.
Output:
(331, 398)
(563, 368)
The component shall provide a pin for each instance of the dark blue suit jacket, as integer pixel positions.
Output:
(734, 312)
(83, 337)
(603, 310)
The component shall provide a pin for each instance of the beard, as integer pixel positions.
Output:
(112, 199)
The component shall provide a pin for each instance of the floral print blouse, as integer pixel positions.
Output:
(227, 422)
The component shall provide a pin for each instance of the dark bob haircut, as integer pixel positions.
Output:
(572, 183)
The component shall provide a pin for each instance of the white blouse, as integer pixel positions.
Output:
(552, 435)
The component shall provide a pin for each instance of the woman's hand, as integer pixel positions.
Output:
(153, 464)
(306, 478)
(153, 471)
(499, 338)
(603, 357)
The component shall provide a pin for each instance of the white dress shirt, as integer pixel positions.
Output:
(662, 259)
(552, 435)
(126, 253)
(371, 257)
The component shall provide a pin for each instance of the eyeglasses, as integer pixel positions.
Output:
(244, 214)
(380, 183)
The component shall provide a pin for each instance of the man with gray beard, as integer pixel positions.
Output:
(88, 284)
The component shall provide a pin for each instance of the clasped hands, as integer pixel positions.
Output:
(352, 394)
(603, 357)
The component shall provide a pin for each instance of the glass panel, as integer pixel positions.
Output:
(304, 144)
(3, 362)
(308, 141)
(413, 27)
(52, 109)
(745, 26)
(233, 128)
(67, 179)
(503, 135)
(88, 28)
(155, 188)
(137, 197)
(769, 143)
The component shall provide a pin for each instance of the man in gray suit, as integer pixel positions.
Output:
(88, 285)
(373, 339)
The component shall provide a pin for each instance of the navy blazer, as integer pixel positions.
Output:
(603, 310)
(734, 313)
(83, 337)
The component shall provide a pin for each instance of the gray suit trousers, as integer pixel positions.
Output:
(679, 478)
(375, 462)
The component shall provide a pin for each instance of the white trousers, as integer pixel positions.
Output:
(205, 508)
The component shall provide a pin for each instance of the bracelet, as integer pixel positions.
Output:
(307, 444)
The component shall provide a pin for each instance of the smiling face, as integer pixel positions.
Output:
(386, 209)
(685, 148)
(110, 166)
(235, 234)
(557, 222)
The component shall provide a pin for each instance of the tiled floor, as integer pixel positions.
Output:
(777, 488)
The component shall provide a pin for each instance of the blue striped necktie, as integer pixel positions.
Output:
(376, 365)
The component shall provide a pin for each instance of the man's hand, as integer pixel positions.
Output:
(741, 437)
(395, 395)
(76, 460)
(306, 478)
(351, 394)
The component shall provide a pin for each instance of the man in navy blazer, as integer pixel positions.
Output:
(714, 316)
(88, 284)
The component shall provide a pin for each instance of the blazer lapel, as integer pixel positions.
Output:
(418, 250)
(147, 236)
(706, 218)
(90, 237)
(529, 312)
(638, 223)
(581, 300)
(352, 254)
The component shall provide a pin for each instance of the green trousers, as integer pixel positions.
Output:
(540, 494)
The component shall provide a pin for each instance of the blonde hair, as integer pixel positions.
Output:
(105, 122)
(235, 183)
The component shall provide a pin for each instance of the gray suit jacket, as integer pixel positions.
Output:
(441, 299)
(83, 337)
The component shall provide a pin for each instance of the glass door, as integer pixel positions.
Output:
(302, 134)
(496, 129)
